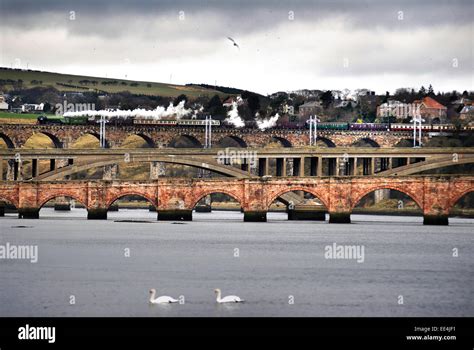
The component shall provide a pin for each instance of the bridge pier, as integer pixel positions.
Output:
(339, 218)
(255, 216)
(306, 214)
(97, 214)
(175, 215)
(28, 213)
(441, 220)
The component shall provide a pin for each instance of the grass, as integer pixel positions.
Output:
(22, 118)
(56, 80)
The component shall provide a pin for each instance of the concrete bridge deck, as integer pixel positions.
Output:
(239, 163)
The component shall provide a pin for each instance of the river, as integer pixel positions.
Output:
(106, 268)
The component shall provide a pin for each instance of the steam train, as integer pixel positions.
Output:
(334, 126)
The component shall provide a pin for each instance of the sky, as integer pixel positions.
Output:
(283, 45)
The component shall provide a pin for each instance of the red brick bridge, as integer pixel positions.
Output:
(175, 198)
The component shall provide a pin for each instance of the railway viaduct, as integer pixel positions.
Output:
(63, 136)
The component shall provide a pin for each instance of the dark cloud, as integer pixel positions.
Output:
(410, 40)
(243, 15)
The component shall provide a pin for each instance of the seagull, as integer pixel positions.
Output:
(235, 44)
(160, 300)
(227, 299)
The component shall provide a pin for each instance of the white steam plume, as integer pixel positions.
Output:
(233, 116)
(267, 123)
(177, 112)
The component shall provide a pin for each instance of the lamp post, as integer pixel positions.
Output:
(102, 123)
(313, 130)
(417, 120)
(208, 132)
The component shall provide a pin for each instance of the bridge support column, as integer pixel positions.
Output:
(28, 213)
(154, 170)
(34, 168)
(255, 216)
(355, 171)
(319, 169)
(339, 218)
(306, 214)
(435, 219)
(1, 169)
(175, 215)
(97, 214)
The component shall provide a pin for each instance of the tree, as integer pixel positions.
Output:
(422, 91)
(430, 90)
(180, 98)
(215, 108)
(253, 102)
(327, 98)
(46, 107)
(215, 101)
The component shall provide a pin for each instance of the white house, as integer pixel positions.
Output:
(32, 107)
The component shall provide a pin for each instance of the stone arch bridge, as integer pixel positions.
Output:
(63, 136)
(176, 198)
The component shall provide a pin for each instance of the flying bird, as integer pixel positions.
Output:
(235, 44)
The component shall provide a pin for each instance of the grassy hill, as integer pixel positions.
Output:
(69, 82)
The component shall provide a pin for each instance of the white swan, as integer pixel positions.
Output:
(227, 299)
(160, 300)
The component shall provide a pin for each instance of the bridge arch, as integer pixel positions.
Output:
(53, 138)
(231, 141)
(9, 200)
(184, 141)
(8, 141)
(200, 195)
(143, 194)
(147, 140)
(325, 142)
(365, 142)
(67, 194)
(458, 197)
(318, 193)
(402, 189)
(84, 135)
(281, 141)
(208, 165)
